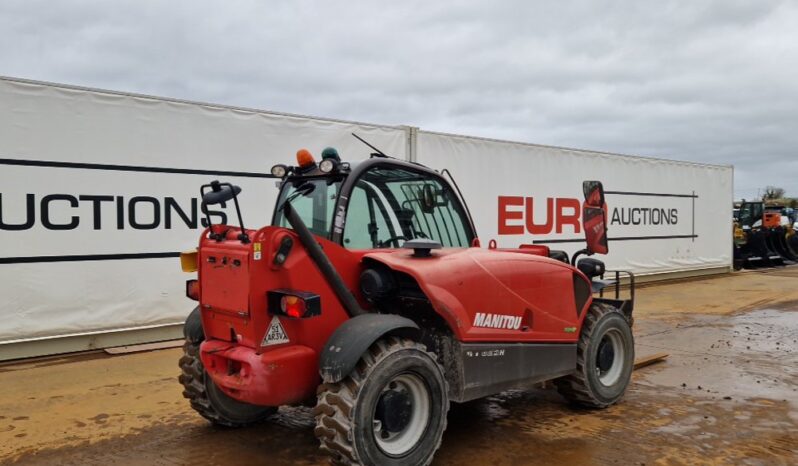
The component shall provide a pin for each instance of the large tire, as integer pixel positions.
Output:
(205, 397)
(397, 392)
(604, 361)
(792, 243)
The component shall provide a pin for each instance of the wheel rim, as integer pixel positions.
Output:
(402, 414)
(610, 358)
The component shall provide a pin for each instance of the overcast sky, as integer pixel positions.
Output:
(708, 81)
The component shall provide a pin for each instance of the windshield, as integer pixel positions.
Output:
(390, 205)
(315, 209)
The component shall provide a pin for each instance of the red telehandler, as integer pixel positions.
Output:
(369, 297)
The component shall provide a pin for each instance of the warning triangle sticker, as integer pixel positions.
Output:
(275, 335)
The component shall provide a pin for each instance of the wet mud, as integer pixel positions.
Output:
(727, 394)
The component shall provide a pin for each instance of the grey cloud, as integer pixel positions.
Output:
(704, 81)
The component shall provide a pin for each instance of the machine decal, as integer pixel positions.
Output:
(276, 334)
(340, 216)
(497, 321)
(257, 251)
(569, 329)
(485, 354)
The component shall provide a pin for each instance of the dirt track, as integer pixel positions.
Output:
(728, 394)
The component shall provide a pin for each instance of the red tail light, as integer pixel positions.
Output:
(294, 304)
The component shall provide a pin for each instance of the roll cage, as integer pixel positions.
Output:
(379, 200)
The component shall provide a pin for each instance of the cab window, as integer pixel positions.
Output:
(750, 213)
(389, 206)
(315, 208)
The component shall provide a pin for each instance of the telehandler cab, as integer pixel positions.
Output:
(369, 296)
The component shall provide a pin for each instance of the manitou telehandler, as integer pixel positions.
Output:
(370, 297)
(763, 236)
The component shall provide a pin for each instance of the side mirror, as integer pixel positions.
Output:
(594, 193)
(220, 193)
(430, 198)
(594, 218)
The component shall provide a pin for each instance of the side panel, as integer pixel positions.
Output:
(487, 295)
(225, 279)
(489, 368)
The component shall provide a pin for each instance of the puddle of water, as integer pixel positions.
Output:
(752, 355)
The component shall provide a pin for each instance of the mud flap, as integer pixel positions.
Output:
(349, 341)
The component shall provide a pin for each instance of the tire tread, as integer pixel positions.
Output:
(192, 378)
(576, 388)
(335, 403)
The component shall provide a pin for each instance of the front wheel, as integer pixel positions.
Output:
(391, 410)
(604, 359)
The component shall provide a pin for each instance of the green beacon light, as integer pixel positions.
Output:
(330, 153)
(329, 160)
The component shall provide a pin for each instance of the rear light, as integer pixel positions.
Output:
(188, 261)
(192, 289)
(294, 304)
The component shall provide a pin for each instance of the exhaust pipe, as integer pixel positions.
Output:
(322, 262)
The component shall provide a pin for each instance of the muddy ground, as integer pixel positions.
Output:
(728, 394)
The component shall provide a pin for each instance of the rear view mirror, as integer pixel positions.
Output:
(427, 199)
(594, 218)
(220, 193)
(594, 193)
(431, 197)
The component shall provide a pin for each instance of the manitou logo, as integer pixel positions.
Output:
(497, 321)
(517, 215)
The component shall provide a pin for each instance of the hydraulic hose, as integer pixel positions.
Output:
(322, 262)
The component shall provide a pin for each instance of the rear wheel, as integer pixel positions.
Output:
(604, 361)
(205, 397)
(391, 410)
